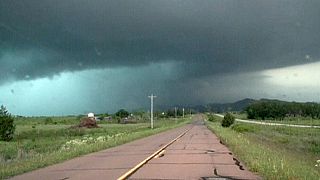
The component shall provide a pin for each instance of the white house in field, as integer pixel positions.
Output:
(90, 115)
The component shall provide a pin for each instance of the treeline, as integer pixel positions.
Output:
(170, 113)
(274, 109)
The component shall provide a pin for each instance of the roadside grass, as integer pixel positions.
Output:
(273, 152)
(42, 145)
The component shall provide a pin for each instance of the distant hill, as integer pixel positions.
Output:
(236, 106)
(223, 107)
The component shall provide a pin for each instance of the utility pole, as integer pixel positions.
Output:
(151, 111)
(183, 112)
(175, 112)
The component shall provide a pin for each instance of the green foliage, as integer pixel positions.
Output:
(228, 120)
(211, 118)
(275, 109)
(79, 117)
(122, 113)
(243, 128)
(63, 120)
(172, 112)
(7, 126)
(48, 120)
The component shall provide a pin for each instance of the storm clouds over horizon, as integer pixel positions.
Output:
(186, 51)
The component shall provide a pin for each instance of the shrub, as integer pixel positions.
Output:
(48, 120)
(122, 113)
(211, 118)
(7, 126)
(228, 120)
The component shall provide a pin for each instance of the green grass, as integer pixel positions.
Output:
(298, 121)
(65, 120)
(239, 115)
(286, 120)
(274, 152)
(37, 145)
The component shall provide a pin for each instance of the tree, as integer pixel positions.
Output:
(170, 113)
(274, 109)
(7, 126)
(228, 120)
(122, 113)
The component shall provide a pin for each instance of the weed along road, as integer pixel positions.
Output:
(188, 152)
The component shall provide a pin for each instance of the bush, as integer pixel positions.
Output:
(228, 120)
(6, 125)
(122, 113)
(48, 120)
(211, 118)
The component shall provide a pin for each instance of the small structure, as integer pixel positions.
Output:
(128, 120)
(91, 115)
(98, 118)
(109, 118)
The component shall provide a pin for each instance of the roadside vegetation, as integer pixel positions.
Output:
(286, 120)
(7, 126)
(278, 110)
(227, 120)
(273, 152)
(282, 112)
(42, 141)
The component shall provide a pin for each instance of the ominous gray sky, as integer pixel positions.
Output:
(75, 56)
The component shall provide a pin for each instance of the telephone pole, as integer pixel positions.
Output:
(175, 112)
(151, 111)
(183, 112)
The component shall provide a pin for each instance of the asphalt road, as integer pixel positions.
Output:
(197, 154)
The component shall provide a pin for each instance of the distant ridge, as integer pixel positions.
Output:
(224, 107)
(216, 107)
(236, 106)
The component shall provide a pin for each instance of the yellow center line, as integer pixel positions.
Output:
(138, 166)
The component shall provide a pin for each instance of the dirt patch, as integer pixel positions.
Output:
(87, 123)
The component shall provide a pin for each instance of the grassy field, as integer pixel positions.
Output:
(274, 152)
(38, 143)
(286, 120)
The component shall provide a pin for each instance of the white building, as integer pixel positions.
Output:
(90, 115)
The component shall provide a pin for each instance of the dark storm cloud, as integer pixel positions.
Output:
(43, 38)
